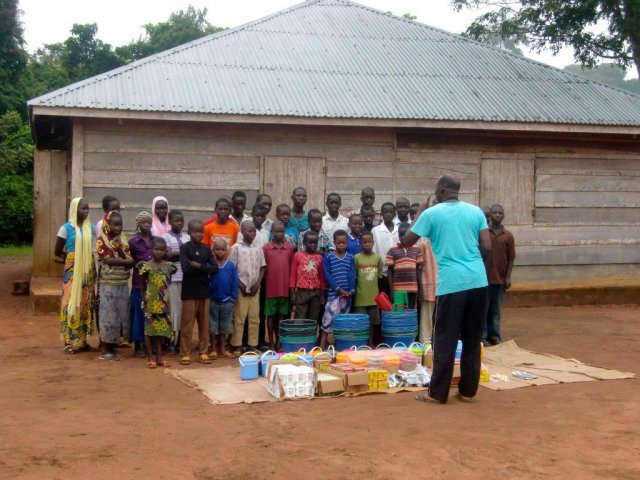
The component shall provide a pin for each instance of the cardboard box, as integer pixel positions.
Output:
(288, 386)
(327, 384)
(456, 374)
(354, 382)
(427, 359)
(321, 359)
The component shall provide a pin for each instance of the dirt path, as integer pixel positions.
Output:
(67, 417)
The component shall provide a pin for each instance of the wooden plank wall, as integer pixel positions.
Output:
(50, 201)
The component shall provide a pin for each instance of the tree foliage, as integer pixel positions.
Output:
(182, 27)
(557, 24)
(13, 57)
(607, 73)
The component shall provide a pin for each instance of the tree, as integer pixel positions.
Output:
(556, 24)
(13, 57)
(182, 27)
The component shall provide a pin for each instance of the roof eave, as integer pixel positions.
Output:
(73, 112)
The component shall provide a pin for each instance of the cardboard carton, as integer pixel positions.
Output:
(354, 382)
(327, 384)
(427, 361)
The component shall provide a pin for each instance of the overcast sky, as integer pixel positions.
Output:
(120, 21)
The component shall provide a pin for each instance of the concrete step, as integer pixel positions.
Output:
(44, 295)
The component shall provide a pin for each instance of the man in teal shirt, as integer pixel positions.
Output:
(459, 238)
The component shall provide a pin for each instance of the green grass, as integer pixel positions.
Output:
(16, 250)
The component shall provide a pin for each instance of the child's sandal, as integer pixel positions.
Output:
(213, 355)
(185, 361)
(163, 363)
(227, 354)
(204, 358)
(152, 365)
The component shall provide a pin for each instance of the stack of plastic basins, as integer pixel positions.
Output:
(298, 334)
(400, 326)
(350, 329)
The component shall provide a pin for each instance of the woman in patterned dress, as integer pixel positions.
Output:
(156, 277)
(73, 248)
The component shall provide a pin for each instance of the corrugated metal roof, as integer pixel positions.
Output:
(338, 59)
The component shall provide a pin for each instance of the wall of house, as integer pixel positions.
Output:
(572, 203)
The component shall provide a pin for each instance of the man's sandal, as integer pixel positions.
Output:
(464, 399)
(185, 361)
(424, 397)
(204, 358)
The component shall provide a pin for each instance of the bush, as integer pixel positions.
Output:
(16, 209)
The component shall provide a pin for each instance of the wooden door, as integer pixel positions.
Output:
(50, 209)
(283, 174)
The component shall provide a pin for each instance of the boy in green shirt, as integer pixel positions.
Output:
(368, 273)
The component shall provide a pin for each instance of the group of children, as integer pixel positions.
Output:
(233, 270)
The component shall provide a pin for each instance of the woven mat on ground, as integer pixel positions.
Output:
(222, 386)
(550, 369)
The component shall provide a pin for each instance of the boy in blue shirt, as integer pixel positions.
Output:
(224, 293)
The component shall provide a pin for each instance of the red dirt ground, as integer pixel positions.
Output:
(67, 417)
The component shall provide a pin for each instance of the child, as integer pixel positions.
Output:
(159, 212)
(306, 280)
(291, 234)
(385, 236)
(238, 206)
(413, 210)
(278, 255)
(113, 285)
(368, 215)
(299, 218)
(266, 201)
(249, 261)
(223, 227)
(428, 292)
(403, 206)
(333, 221)
(405, 268)
(73, 249)
(197, 264)
(156, 277)
(353, 238)
(224, 293)
(368, 267)
(109, 204)
(499, 264)
(258, 217)
(174, 239)
(340, 276)
(315, 225)
(140, 248)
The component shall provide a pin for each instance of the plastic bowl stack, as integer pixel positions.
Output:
(298, 334)
(400, 326)
(350, 329)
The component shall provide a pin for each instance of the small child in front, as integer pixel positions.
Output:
(156, 277)
(325, 243)
(224, 293)
(368, 267)
(197, 264)
(248, 258)
(278, 254)
(306, 280)
(405, 268)
(356, 225)
(291, 234)
(340, 277)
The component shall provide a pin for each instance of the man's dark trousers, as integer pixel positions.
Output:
(459, 315)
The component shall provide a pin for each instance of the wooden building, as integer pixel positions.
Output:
(335, 96)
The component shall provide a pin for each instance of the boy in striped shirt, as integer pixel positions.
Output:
(405, 268)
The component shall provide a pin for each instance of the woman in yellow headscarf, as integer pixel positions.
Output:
(73, 247)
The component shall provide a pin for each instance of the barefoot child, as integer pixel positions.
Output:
(224, 293)
(249, 261)
(340, 276)
(278, 255)
(353, 239)
(175, 238)
(156, 277)
(115, 261)
(140, 248)
(197, 264)
(306, 280)
(405, 268)
(368, 273)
